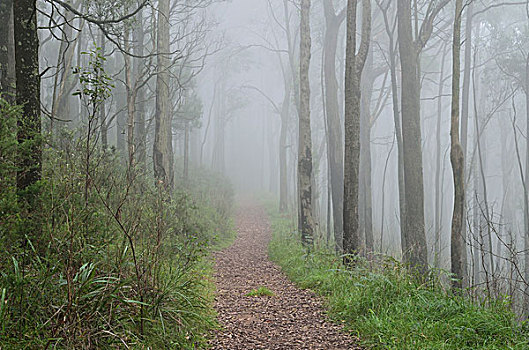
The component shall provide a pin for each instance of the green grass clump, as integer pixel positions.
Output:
(388, 309)
(260, 292)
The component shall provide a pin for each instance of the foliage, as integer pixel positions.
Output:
(96, 85)
(8, 146)
(117, 263)
(389, 309)
(214, 195)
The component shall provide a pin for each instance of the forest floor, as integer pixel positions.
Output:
(291, 318)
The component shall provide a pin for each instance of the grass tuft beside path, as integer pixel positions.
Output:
(387, 308)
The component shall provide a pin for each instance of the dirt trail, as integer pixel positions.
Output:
(291, 319)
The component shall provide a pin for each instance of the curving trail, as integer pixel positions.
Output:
(291, 319)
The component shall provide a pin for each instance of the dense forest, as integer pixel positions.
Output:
(264, 174)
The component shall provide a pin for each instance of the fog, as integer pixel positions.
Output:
(219, 85)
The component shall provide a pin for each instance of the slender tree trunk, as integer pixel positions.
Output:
(390, 29)
(102, 108)
(457, 158)
(414, 236)
(121, 121)
(507, 211)
(438, 162)
(283, 171)
(305, 139)
(272, 159)
(130, 87)
(7, 51)
(64, 79)
(27, 95)
(208, 124)
(482, 208)
(334, 129)
(218, 161)
(526, 194)
(366, 193)
(353, 72)
(465, 99)
(384, 198)
(163, 145)
(186, 152)
(140, 132)
(477, 236)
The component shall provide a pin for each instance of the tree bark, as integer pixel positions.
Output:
(64, 79)
(28, 93)
(390, 30)
(457, 158)
(7, 51)
(283, 171)
(482, 205)
(332, 108)
(140, 132)
(353, 72)
(219, 156)
(415, 250)
(130, 87)
(305, 137)
(103, 122)
(121, 121)
(438, 167)
(186, 151)
(466, 97)
(526, 195)
(163, 145)
(365, 191)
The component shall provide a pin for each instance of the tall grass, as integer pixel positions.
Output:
(388, 308)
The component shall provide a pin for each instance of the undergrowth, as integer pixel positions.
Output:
(104, 257)
(387, 308)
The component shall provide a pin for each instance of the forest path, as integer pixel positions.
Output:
(290, 319)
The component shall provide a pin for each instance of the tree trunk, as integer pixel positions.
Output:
(163, 145)
(438, 168)
(102, 109)
(482, 205)
(121, 121)
(186, 151)
(7, 51)
(27, 94)
(457, 158)
(140, 132)
(526, 194)
(64, 79)
(272, 158)
(332, 109)
(477, 235)
(397, 122)
(130, 87)
(366, 195)
(353, 72)
(414, 236)
(283, 174)
(305, 137)
(218, 156)
(465, 100)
